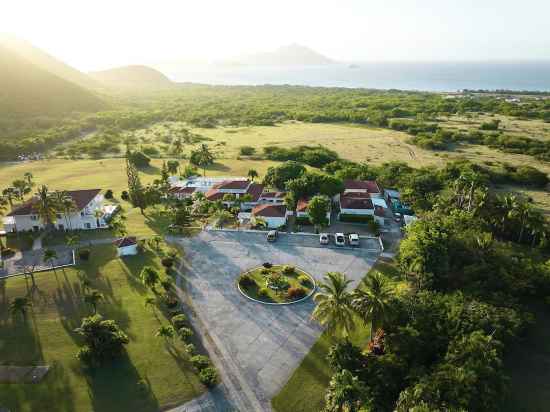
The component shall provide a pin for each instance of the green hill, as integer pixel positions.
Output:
(47, 62)
(133, 78)
(27, 89)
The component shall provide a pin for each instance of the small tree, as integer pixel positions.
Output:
(317, 210)
(103, 340)
(166, 332)
(50, 257)
(202, 158)
(150, 277)
(92, 298)
(252, 174)
(167, 285)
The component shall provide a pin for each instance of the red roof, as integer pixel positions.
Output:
(301, 206)
(125, 241)
(213, 195)
(233, 184)
(269, 211)
(183, 190)
(255, 190)
(275, 195)
(352, 201)
(368, 185)
(81, 198)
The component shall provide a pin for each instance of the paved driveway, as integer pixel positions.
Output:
(261, 344)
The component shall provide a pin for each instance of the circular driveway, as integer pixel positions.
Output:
(262, 344)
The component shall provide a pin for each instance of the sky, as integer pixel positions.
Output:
(99, 34)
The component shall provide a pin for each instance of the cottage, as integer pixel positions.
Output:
(126, 246)
(88, 214)
(362, 186)
(236, 189)
(355, 203)
(274, 215)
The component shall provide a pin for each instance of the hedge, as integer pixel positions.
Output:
(355, 218)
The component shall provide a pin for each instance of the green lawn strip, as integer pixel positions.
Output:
(305, 390)
(154, 373)
(273, 295)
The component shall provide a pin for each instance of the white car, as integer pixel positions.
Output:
(354, 239)
(339, 239)
(324, 238)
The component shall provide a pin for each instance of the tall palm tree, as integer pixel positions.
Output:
(22, 188)
(333, 308)
(28, 177)
(72, 241)
(9, 194)
(150, 277)
(98, 214)
(66, 204)
(46, 207)
(252, 174)
(50, 257)
(19, 305)
(372, 300)
(92, 298)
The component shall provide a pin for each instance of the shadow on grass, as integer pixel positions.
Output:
(218, 167)
(52, 394)
(117, 386)
(150, 170)
(158, 220)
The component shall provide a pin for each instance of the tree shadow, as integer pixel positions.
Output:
(117, 386)
(157, 220)
(150, 170)
(218, 167)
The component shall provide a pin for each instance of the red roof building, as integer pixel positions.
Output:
(367, 186)
(81, 199)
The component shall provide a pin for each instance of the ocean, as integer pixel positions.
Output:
(440, 77)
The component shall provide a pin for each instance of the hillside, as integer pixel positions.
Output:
(132, 77)
(291, 55)
(28, 90)
(47, 62)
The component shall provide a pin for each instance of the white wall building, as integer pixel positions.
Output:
(274, 215)
(25, 217)
(126, 246)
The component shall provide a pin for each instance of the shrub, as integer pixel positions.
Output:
(124, 195)
(247, 150)
(355, 218)
(185, 333)
(304, 280)
(267, 265)
(167, 262)
(170, 301)
(263, 292)
(190, 349)
(109, 194)
(246, 281)
(84, 254)
(179, 321)
(139, 159)
(289, 270)
(296, 293)
(201, 362)
(265, 272)
(208, 376)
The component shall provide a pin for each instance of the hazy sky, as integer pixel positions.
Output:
(100, 34)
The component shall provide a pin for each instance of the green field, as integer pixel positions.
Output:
(154, 374)
(305, 390)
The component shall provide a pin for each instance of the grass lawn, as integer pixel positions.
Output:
(273, 296)
(305, 390)
(153, 375)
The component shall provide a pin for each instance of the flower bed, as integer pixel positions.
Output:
(276, 284)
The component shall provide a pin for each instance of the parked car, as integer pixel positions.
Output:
(353, 239)
(272, 235)
(324, 238)
(339, 239)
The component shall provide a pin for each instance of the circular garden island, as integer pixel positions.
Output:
(276, 284)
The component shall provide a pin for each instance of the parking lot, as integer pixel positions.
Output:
(261, 345)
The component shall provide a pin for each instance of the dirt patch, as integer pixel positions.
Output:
(22, 374)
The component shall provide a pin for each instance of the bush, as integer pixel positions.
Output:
(263, 292)
(167, 262)
(301, 220)
(139, 159)
(289, 270)
(109, 194)
(304, 280)
(208, 376)
(296, 293)
(265, 272)
(201, 362)
(185, 333)
(124, 195)
(247, 150)
(84, 254)
(170, 301)
(190, 349)
(179, 321)
(355, 218)
(267, 265)
(246, 281)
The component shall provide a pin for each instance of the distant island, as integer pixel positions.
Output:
(132, 77)
(291, 55)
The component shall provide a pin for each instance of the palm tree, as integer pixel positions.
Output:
(46, 207)
(19, 305)
(167, 284)
(66, 204)
(333, 308)
(252, 174)
(28, 177)
(72, 241)
(150, 277)
(50, 257)
(22, 188)
(372, 300)
(93, 299)
(203, 157)
(98, 214)
(166, 332)
(177, 145)
(9, 194)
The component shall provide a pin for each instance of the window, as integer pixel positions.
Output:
(88, 226)
(34, 217)
(82, 214)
